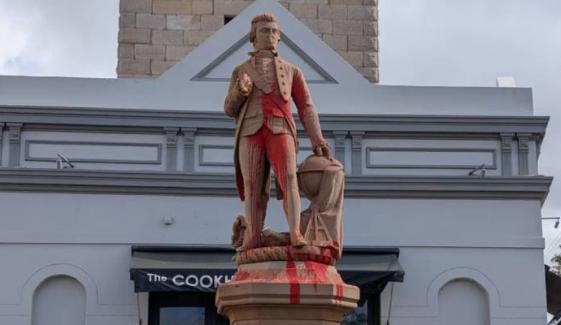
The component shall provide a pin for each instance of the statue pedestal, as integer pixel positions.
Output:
(286, 292)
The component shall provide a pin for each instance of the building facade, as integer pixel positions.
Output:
(105, 185)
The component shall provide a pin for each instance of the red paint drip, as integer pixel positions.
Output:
(319, 272)
(338, 292)
(292, 276)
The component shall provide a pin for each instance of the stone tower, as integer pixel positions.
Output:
(156, 34)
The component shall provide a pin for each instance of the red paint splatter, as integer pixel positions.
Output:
(318, 271)
(292, 277)
(241, 276)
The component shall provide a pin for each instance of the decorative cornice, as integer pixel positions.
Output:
(163, 183)
(134, 118)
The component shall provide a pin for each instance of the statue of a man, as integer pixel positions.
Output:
(259, 100)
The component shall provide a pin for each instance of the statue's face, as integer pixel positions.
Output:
(267, 36)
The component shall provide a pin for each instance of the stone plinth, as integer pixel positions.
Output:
(286, 292)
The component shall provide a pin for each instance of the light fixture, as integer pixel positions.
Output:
(481, 168)
(556, 225)
(168, 221)
(61, 159)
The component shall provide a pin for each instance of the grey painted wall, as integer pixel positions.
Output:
(511, 301)
(81, 222)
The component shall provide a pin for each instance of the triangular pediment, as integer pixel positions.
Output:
(221, 68)
(215, 58)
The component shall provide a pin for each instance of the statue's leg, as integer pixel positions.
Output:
(281, 152)
(252, 163)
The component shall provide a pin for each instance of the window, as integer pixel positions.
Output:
(178, 308)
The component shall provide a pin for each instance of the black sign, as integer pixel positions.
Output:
(193, 280)
(199, 280)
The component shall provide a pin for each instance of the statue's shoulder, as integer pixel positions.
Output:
(243, 66)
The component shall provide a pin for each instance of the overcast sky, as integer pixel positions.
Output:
(422, 42)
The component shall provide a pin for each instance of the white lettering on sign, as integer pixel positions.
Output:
(156, 277)
(192, 280)
(206, 281)
(178, 280)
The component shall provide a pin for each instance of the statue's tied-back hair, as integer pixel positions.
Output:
(266, 17)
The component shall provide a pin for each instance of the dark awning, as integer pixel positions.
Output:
(202, 269)
(553, 290)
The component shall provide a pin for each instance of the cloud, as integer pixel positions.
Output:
(59, 37)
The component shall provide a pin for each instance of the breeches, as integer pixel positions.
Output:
(256, 153)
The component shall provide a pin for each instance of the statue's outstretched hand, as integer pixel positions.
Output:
(245, 84)
(322, 149)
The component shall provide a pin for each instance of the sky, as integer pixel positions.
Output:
(471, 43)
(422, 42)
(73, 38)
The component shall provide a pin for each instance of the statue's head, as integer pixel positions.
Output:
(265, 32)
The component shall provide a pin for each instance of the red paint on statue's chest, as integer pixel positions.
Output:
(273, 105)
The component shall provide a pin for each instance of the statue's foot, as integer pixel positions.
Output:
(247, 245)
(299, 241)
(244, 248)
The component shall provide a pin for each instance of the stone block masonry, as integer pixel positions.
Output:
(156, 34)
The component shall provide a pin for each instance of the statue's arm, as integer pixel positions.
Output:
(234, 98)
(306, 109)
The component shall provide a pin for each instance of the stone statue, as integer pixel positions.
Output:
(282, 278)
(259, 100)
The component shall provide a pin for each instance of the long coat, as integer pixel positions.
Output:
(290, 84)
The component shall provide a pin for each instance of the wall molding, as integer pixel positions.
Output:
(157, 146)
(372, 165)
(14, 143)
(171, 148)
(506, 153)
(1, 143)
(217, 121)
(189, 149)
(202, 184)
(464, 273)
(523, 153)
(356, 152)
(206, 163)
(340, 138)
(497, 309)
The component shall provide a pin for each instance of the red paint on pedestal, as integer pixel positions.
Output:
(292, 276)
(318, 271)
(310, 271)
(338, 292)
(241, 276)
